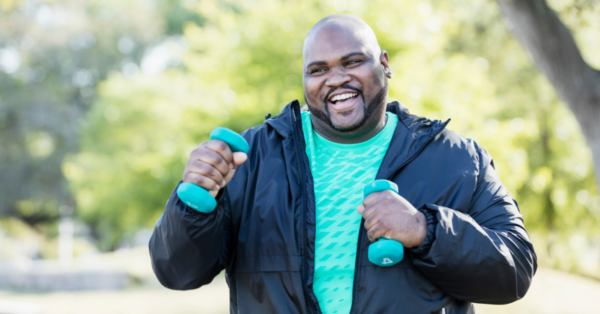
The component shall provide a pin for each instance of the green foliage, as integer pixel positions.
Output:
(51, 57)
(449, 61)
(133, 147)
(243, 59)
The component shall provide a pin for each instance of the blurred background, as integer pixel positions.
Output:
(101, 102)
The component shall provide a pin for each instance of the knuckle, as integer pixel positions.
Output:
(197, 165)
(220, 145)
(371, 234)
(211, 172)
(204, 182)
(189, 175)
(215, 173)
(193, 178)
(207, 183)
(372, 208)
(202, 168)
(210, 158)
(373, 220)
(221, 162)
(203, 153)
(197, 151)
(226, 174)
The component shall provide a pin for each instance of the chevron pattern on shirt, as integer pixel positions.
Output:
(340, 172)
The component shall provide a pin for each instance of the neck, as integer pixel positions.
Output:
(369, 131)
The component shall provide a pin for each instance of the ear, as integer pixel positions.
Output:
(385, 62)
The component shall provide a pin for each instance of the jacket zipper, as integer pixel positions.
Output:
(361, 232)
(304, 261)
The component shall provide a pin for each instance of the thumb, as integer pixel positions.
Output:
(239, 158)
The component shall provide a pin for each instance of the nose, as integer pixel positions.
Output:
(338, 77)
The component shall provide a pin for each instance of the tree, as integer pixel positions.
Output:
(238, 61)
(556, 55)
(52, 55)
(449, 61)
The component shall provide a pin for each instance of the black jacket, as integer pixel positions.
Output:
(263, 229)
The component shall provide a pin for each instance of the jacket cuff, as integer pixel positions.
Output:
(430, 211)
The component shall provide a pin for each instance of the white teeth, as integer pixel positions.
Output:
(343, 96)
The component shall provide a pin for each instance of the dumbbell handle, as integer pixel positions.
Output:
(384, 252)
(197, 197)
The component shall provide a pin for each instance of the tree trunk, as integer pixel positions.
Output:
(556, 55)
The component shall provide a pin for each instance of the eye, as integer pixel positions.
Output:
(317, 70)
(353, 62)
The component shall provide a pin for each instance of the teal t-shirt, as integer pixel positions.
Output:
(340, 172)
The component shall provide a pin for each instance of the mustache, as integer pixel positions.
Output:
(346, 86)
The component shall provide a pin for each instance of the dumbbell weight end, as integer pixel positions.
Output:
(196, 197)
(386, 252)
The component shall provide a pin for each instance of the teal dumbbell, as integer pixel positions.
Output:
(384, 252)
(197, 197)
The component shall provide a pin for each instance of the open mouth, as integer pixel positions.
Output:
(343, 101)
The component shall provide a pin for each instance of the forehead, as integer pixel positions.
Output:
(331, 42)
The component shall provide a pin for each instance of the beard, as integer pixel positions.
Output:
(374, 106)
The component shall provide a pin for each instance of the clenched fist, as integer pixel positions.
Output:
(388, 215)
(212, 165)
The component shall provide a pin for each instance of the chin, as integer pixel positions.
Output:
(347, 126)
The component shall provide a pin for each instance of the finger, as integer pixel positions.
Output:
(221, 148)
(375, 233)
(214, 159)
(371, 221)
(370, 198)
(239, 158)
(201, 181)
(229, 176)
(360, 209)
(207, 170)
(369, 210)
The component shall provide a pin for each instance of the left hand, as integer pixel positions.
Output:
(389, 215)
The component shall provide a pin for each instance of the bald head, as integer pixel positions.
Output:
(345, 79)
(342, 27)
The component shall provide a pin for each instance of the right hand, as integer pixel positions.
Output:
(212, 165)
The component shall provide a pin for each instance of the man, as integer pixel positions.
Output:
(291, 226)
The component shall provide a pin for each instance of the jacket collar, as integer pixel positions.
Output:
(410, 137)
(283, 123)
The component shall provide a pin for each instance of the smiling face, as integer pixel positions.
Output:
(345, 82)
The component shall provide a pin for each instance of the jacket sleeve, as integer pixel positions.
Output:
(484, 255)
(189, 248)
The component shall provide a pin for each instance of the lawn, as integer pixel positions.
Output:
(552, 292)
